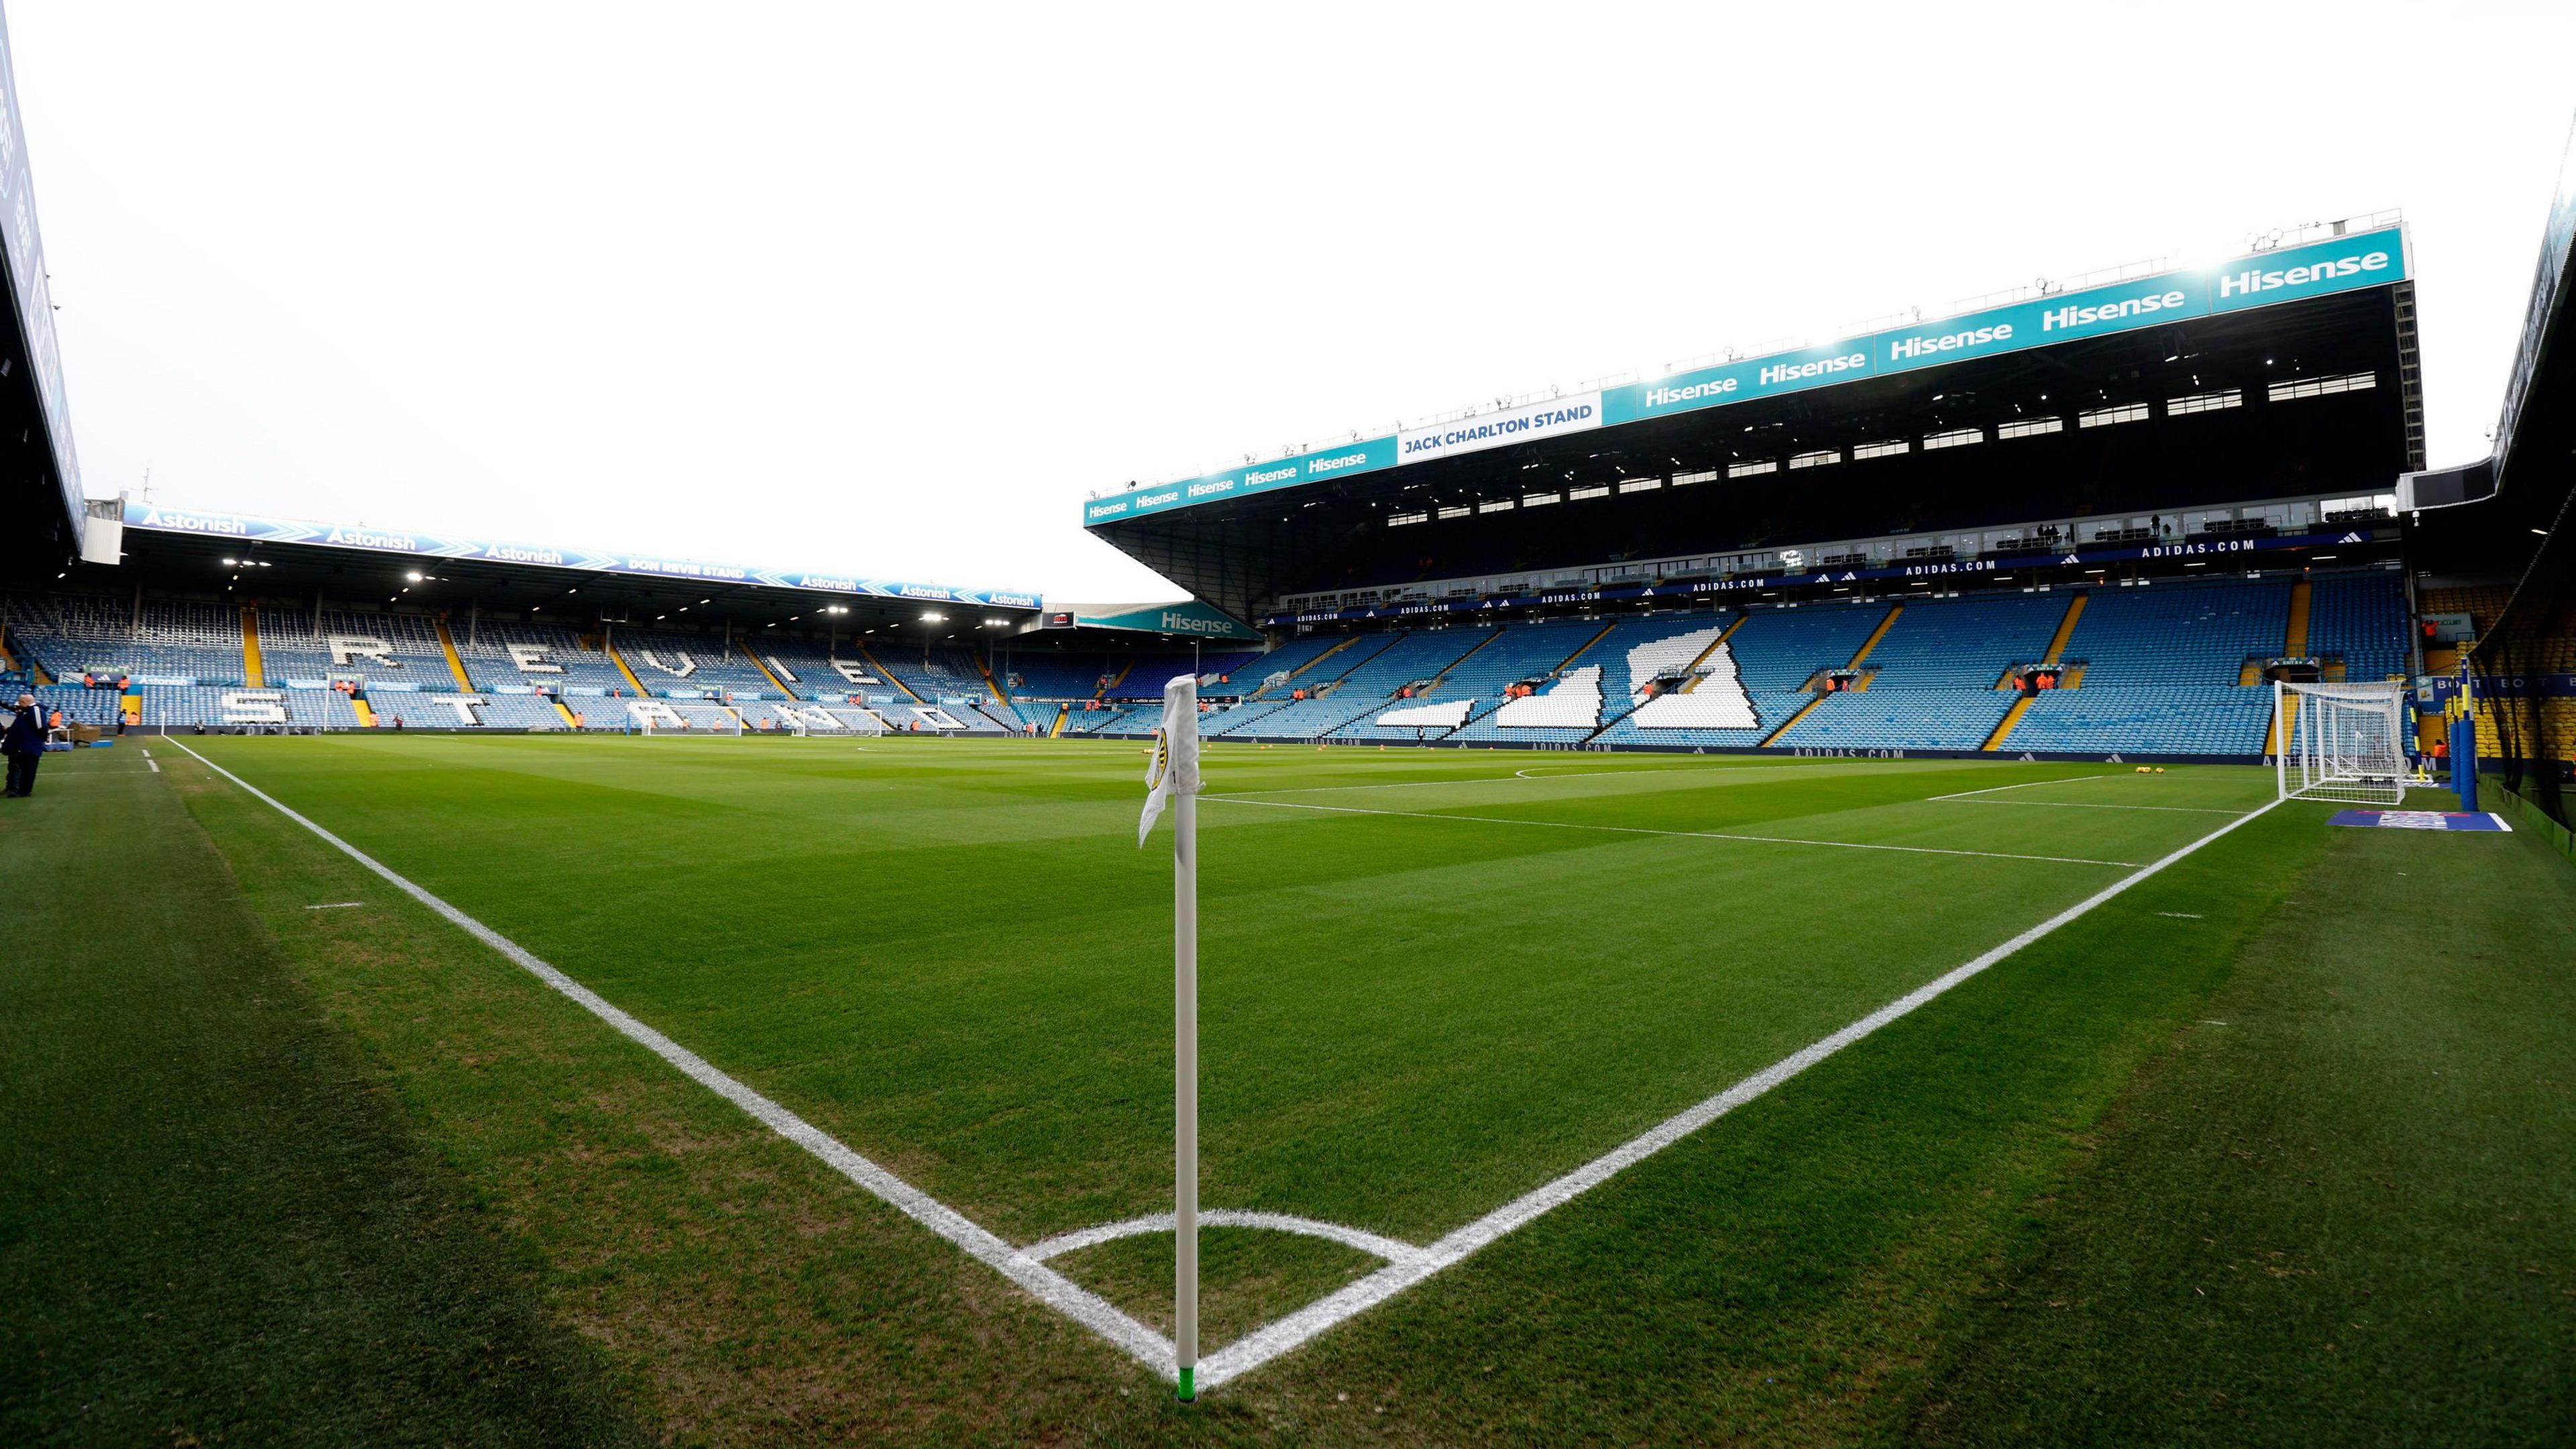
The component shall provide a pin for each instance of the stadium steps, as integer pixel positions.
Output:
(1001, 696)
(1310, 664)
(884, 673)
(565, 710)
(1809, 707)
(1874, 636)
(2294, 645)
(1586, 647)
(1130, 668)
(2285, 718)
(2004, 729)
(447, 646)
(2251, 671)
(130, 705)
(1452, 666)
(769, 674)
(251, 676)
(1692, 668)
(1063, 717)
(616, 658)
(366, 713)
(2065, 631)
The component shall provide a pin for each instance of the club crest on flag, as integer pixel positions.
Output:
(1174, 768)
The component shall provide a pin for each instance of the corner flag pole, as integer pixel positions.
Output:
(1185, 1079)
(1174, 778)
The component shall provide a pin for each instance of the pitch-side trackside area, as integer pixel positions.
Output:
(1740, 1076)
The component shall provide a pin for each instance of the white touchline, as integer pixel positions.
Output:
(1680, 834)
(1406, 1263)
(330, 905)
(1049, 1286)
(1271, 1340)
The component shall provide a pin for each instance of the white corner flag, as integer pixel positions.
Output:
(1173, 779)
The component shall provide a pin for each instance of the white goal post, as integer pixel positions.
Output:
(2342, 742)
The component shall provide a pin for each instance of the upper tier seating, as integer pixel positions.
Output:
(1631, 645)
(1370, 684)
(71, 634)
(2361, 617)
(937, 674)
(403, 648)
(499, 656)
(664, 661)
(1072, 675)
(1288, 659)
(2177, 633)
(1963, 643)
(1514, 655)
(832, 672)
(1783, 648)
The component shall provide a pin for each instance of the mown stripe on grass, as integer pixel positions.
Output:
(1267, 1343)
(1048, 1286)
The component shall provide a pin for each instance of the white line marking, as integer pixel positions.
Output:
(2181, 915)
(155, 764)
(1050, 1287)
(1272, 1340)
(1682, 834)
(2089, 805)
(2024, 785)
(335, 905)
(1392, 1250)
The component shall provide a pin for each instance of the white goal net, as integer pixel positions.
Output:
(2342, 742)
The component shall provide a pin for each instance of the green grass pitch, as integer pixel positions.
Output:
(1431, 982)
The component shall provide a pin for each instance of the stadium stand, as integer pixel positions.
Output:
(1964, 643)
(1370, 685)
(1900, 719)
(833, 672)
(1618, 654)
(533, 656)
(2360, 619)
(294, 646)
(686, 665)
(2178, 633)
(2198, 719)
(67, 635)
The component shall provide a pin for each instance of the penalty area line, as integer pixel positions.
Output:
(1266, 1343)
(1677, 834)
(1045, 1284)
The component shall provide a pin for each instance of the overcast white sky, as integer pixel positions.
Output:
(890, 288)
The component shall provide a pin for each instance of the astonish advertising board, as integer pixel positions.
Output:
(251, 528)
(2263, 279)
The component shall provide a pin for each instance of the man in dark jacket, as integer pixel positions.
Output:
(24, 744)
